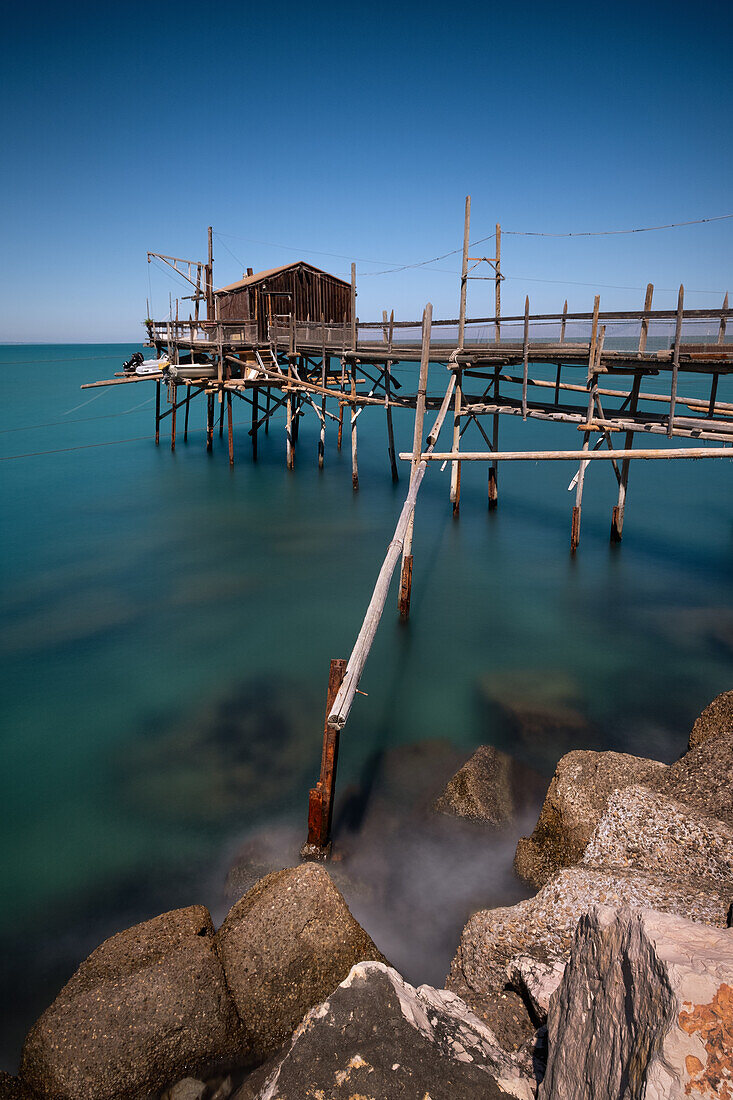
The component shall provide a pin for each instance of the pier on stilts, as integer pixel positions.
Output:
(298, 346)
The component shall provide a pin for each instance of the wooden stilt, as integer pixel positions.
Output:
(221, 414)
(388, 395)
(455, 480)
(255, 419)
(354, 461)
(341, 408)
(267, 412)
(617, 516)
(321, 798)
(596, 350)
(676, 359)
(289, 441)
(157, 413)
(324, 372)
(209, 421)
(173, 418)
(188, 407)
(230, 427)
(493, 467)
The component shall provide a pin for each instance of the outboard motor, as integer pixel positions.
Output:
(133, 363)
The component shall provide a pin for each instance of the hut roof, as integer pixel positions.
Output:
(260, 276)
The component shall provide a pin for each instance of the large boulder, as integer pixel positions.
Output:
(378, 1036)
(492, 788)
(285, 946)
(650, 831)
(702, 778)
(148, 1007)
(575, 802)
(717, 718)
(645, 1009)
(543, 926)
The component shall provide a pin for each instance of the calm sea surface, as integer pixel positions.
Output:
(168, 624)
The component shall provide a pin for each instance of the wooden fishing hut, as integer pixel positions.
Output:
(296, 291)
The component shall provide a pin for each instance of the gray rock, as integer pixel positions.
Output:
(491, 787)
(285, 946)
(378, 1036)
(220, 1088)
(702, 778)
(187, 1089)
(645, 1009)
(652, 832)
(575, 802)
(536, 981)
(717, 718)
(543, 926)
(149, 1006)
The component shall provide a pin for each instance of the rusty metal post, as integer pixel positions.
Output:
(321, 798)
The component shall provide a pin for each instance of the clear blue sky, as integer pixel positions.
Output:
(358, 130)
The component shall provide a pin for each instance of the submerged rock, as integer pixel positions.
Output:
(543, 926)
(575, 802)
(716, 718)
(378, 1036)
(645, 1008)
(652, 832)
(148, 1007)
(539, 710)
(285, 946)
(218, 764)
(491, 787)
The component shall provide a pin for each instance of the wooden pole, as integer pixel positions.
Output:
(157, 413)
(594, 361)
(324, 371)
(267, 412)
(354, 463)
(173, 419)
(563, 322)
(676, 358)
(493, 468)
(388, 334)
(210, 279)
(617, 516)
(464, 273)
(188, 407)
(230, 426)
(723, 321)
(455, 483)
(574, 456)
(321, 798)
(645, 320)
(255, 419)
(209, 421)
(289, 442)
(354, 334)
(497, 285)
(341, 406)
(525, 360)
(422, 388)
(221, 413)
(359, 654)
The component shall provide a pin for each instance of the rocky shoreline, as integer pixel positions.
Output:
(614, 980)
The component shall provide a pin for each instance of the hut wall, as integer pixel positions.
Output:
(298, 289)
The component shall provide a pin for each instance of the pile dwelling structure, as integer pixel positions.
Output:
(290, 337)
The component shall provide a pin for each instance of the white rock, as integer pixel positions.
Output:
(536, 980)
(644, 1011)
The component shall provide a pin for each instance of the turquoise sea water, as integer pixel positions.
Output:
(168, 623)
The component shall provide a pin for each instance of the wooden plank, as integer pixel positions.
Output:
(645, 319)
(648, 454)
(422, 386)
